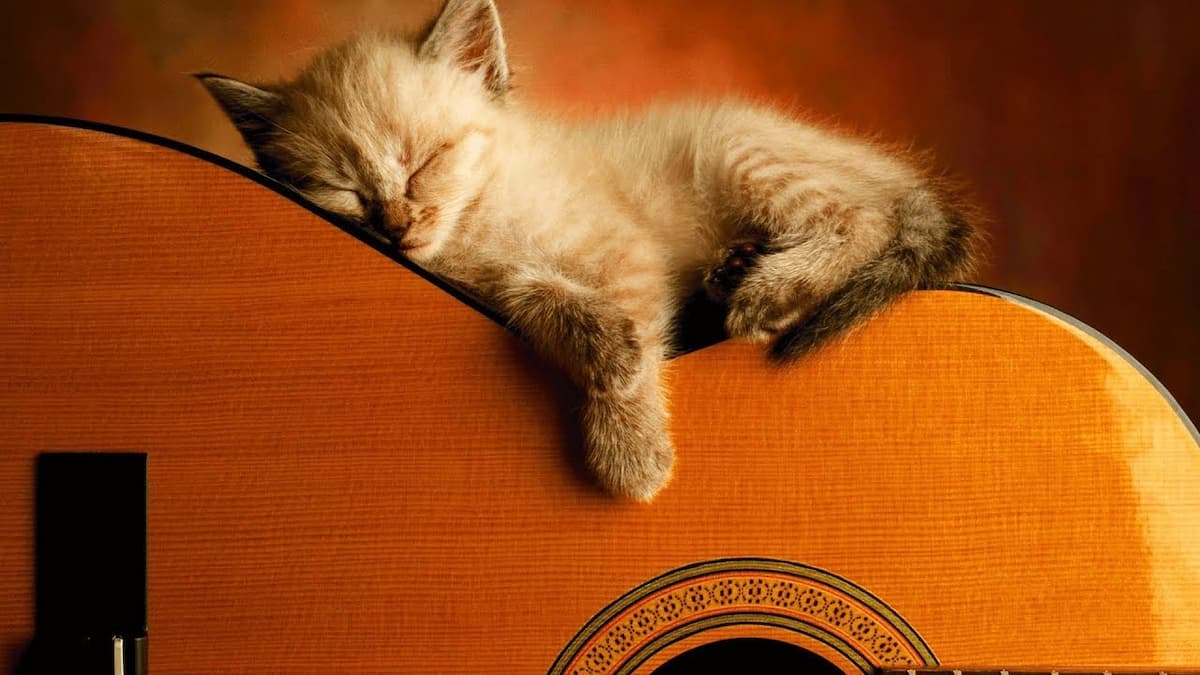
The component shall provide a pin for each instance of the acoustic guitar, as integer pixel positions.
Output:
(353, 469)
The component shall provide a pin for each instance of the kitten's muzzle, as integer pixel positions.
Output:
(394, 218)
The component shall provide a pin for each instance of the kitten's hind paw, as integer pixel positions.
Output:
(724, 278)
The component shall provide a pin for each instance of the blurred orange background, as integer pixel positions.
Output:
(1075, 121)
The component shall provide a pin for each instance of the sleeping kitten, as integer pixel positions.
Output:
(589, 237)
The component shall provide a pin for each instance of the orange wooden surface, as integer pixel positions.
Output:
(346, 462)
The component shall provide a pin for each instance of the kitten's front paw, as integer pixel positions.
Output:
(724, 278)
(642, 474)
(628, 449)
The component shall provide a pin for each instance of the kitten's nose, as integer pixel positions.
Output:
(397, 217)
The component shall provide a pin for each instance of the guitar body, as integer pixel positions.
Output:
(350, 468)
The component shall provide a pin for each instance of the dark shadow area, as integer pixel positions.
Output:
(701, 324)
(569, 403)
(14, 656)
(748, 655)
(90, 565)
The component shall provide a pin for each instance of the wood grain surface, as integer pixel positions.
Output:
(348, 466)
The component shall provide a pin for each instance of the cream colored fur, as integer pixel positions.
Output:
(590, 236)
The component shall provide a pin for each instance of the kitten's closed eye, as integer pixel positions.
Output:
(447, 165)
(415, 178)
(430, 168)
(342, 200)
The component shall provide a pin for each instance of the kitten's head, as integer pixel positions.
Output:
(391, 132)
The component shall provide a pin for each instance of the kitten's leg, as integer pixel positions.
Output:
(627, 444)
(813, 220)
(801, 266)
(845, 229)
(600, 348)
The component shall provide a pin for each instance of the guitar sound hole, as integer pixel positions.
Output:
(747, 655)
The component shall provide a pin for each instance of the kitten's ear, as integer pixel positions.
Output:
(250, 108)
(468, 33)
